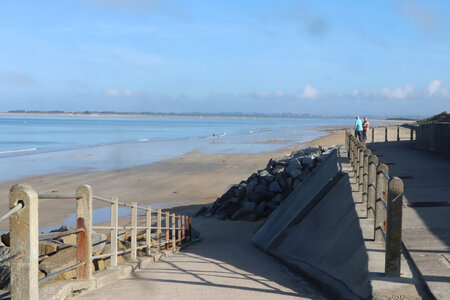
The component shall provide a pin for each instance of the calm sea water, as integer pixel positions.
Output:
(34, 145)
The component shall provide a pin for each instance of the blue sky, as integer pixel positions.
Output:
(321, 57)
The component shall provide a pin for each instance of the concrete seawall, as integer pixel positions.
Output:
(316, 231)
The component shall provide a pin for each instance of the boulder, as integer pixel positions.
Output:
(269, 178)
(274, 187)
(47, 248)
(98, 242)
(251, 185)
(60, 260)
(308, 161)
(260, 188)
(278, 169)
(248, 206)
(5, 239)
(278, 199)
(261, 207)
(295, 173)
(263, 173)
(240, 192)
(5, 274)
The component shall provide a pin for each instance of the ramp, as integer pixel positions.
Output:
(298, 203)
(327, 245)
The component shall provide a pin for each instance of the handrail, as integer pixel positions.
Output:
(12, 211)
(161, 230)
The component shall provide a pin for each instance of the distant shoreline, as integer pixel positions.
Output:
(111, 115)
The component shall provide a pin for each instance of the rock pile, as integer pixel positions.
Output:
(58, 253)
(263, 191)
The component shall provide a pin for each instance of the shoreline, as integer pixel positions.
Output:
(111, 115)
(195, 177)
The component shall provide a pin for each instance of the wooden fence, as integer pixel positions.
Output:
(383, 197)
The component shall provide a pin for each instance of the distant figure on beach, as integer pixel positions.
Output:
(365, 126)
(358, 128)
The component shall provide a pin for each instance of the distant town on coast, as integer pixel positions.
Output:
(204, 114)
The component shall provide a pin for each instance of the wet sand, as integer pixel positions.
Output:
(196, 177)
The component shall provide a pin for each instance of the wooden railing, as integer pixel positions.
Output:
(167, 230)
(383, 197)
(392, 133)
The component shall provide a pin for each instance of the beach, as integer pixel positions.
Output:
(194, 178)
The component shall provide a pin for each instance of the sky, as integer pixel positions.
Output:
(333, 58)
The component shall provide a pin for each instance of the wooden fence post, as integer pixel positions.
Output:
(114, 231)
(398, 133)
(84, 238)
(174, 236)
(183, 228)
(373, 134)
(411, 134)
(133, 231)
(371, 186)
(381, 193)
(158, 229)
(167, 230)
(385, 134)
(24, 239)
(148, 229)
(394, 227)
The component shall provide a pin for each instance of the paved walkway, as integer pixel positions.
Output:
(224, 265)
(426, 221)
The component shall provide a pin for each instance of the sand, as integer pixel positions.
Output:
(196, 177)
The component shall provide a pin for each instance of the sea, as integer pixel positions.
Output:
(37, 145)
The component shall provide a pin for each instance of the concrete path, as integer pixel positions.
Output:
(224, 265)
(426, 226)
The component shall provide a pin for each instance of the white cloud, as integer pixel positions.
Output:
(434, 87)
(122, 93)
(354, 93)
(420, 12)
(308, 92)
(398, 93)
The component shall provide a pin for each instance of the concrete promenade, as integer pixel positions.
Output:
(224, 265)
(426, 211)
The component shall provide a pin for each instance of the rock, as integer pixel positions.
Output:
(290, 181)
(233, 200)
(324, 156)
(251, 185)
(284, 186)
(278, 169)
(240, 192)
(274, 187)
(295, 173)
(225, 197)
(70, 239)
(5, 239)
(248, 206)
(99, 264)
(257, 197)
(308, 161)
(269, 178)
(263, 173)
(260, 188)
(47, 248)
(62, 259)
(5, 274)
(261, 207)
(64, 228)
(278, 199)
(98, 242)
(41, 274)
(297, 182)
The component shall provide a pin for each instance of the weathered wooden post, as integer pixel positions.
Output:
(385, 134)
(174, 236)
(371, 186)
(133, 231)
(365, 180)
(411, 133)
(167, 230)
(24, 239)
(114, 231)
(373, 134)
(394, 227)
(381, 195)
(398, 133)
(84, 238)
(148, 230)
(158, 228)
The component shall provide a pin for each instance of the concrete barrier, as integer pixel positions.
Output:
(327, 244)
(298, 202)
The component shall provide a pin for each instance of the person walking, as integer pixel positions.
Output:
(365, 126)
(358, 129)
